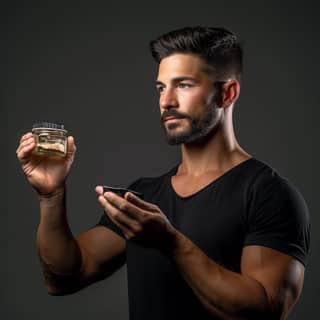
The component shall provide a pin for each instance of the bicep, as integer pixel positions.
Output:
(280, 275)
(103, 252)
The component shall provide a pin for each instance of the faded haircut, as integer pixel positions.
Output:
(218, 47)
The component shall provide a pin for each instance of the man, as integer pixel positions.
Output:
(220, 236)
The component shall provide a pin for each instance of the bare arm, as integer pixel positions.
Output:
(267, 287)
(68, 263)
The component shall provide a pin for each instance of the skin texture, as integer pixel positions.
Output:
(269, 283)
(69, 263)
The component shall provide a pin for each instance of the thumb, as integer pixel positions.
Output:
(71, 147)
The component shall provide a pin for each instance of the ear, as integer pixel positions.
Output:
(230, 93)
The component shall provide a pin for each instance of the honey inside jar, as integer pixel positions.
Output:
(51, 139)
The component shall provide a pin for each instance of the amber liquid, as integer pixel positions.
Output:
(50, 144)
(50, 149)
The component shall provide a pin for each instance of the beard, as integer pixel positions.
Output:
(198, 129)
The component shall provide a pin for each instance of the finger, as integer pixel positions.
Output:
(124, 206)
(71, 147)
(118, 218)
(125, 229)
(25, 151)
(26, 142)
(139, 202)
(99, 190)
(26, 136)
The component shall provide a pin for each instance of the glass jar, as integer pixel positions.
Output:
(51, 139)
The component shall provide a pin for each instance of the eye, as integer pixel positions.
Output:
(160, 89)
(184, 85)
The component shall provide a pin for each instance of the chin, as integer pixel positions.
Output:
(177, 139)
(191, 137)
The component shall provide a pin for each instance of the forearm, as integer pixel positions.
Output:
(58, 250)
(224, 293)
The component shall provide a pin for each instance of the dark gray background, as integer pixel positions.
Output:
(88, 65)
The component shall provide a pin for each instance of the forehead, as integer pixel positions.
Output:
(180, 64)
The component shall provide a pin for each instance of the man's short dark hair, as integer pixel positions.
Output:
(218, 47)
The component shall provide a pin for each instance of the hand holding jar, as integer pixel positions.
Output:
(46, 155)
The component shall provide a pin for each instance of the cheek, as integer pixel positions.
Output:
(192, 99)
(194, 103)
(212, 98)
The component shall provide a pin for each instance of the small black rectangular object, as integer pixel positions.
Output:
(121, 191)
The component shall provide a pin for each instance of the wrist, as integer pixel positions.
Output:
(179, 245)
(58, 193)
(182, 245)
(53, 208)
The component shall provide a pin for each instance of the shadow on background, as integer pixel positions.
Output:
(89, 66)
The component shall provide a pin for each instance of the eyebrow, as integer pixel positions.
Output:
(177, 79)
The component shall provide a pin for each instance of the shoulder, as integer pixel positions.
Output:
(266, 182)
(252, 174)
(277, 214)
(260, 173)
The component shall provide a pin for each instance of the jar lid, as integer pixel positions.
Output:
(48, 125)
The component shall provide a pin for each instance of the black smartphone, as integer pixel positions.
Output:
(121, 191)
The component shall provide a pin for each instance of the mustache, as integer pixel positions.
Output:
(173, 113)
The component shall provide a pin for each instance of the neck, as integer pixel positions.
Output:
(217, 153)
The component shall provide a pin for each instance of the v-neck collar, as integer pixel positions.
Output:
(213, 182)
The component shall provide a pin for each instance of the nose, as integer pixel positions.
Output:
(168, 99)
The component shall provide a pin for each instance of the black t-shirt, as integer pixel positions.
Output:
(248, 205)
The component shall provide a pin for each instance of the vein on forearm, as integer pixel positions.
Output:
(58, 250)
(223, 292)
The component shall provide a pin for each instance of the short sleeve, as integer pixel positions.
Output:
(279, 218)
(107, 222)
